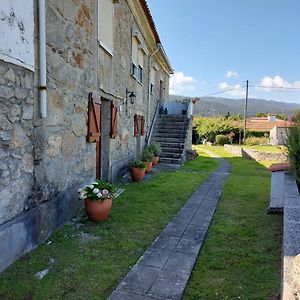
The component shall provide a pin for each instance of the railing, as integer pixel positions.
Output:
(149, 132)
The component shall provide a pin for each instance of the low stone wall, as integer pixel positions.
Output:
(291, 241)
(255, 154)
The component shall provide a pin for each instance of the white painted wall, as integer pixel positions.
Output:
(16, 32)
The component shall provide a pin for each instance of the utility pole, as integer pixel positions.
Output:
(245, 109)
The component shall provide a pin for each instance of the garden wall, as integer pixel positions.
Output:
(255, 154)
(291, 241)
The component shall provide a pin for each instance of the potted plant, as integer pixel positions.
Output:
(137, 170)
(147, 157)
(97, 199)
(155, 147)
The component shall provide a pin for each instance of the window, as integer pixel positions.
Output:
(134, 56)
(140, 74)
(152, 88)
(106, 24)
(152, 80)
(141, 65)
(134, 70)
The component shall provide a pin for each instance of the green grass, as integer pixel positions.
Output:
(241, 257)
(92, 270)
(200, 164)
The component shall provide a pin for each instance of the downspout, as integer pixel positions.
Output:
(42, 60)
(159, 46)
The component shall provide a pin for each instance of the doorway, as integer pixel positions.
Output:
(103, 147)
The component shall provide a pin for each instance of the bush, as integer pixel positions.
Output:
(258, 133)
(252, 141)
(147, 154)
(209, 128)
(293, 146)
(138, 164)
(222, 139)
(156, 149)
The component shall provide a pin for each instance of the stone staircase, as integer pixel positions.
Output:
(170, 132)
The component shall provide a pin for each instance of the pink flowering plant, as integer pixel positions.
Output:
(97, 191)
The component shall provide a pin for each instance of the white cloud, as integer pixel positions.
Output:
(235, 90)
(232, 73)
(182, 84)
(277, 83)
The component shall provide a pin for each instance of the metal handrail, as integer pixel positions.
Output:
(152, 122)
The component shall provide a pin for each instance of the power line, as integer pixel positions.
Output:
(277, 87)
(221, 92)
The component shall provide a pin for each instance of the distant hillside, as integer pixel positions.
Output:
(209, 106)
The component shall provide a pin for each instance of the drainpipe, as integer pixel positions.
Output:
(42, 60)
(159, 46)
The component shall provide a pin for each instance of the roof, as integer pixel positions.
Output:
(149, 17)
(261, 124)
(150, 20)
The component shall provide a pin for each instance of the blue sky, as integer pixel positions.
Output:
(215, 45)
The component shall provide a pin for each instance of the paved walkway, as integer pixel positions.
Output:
(165, 267)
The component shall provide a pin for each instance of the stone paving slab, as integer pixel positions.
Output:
(164, 269)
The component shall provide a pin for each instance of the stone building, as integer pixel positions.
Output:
(68, 71)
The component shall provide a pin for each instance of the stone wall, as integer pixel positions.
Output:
(291, 241)
(63, 159)
(255, 154)
(114, 73)
(45, 161)
(16, 133)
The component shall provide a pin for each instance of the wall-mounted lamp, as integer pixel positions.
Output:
(131, 96)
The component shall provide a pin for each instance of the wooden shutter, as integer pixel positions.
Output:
(142, 125)
(94, 118)
(113, 120)
(136, 125)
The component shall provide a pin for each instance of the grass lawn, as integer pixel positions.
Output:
(241, 257)
(91, 270)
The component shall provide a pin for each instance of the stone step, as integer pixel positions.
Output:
(173, 117)
(171, 126)
(167, 131)
(170, 155)
(170, 135)
(160, 139)
(165, 160)
(175, 149)
(170, 122)
(170, 145)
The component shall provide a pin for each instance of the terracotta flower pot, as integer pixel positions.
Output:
(137, 174)
(98, 210)
(155, 160)
(148, 166)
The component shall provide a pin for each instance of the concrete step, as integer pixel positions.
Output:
(165, 160)
(170, 145)
(170, 155)
(170, 121)
(174, 149)
(160, 139)
(171, 126)
(171, 117)
(169, 135)
(167, 131)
